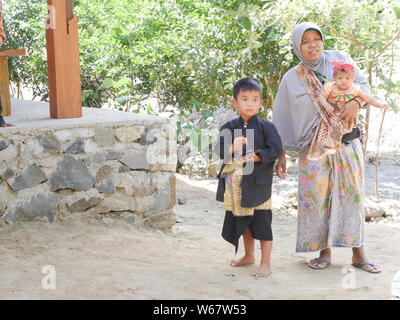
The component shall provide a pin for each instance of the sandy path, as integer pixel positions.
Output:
(94, 260)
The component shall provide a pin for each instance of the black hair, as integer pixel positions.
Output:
(246, 84)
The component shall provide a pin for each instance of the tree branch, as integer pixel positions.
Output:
(337, 34)
(387, 45)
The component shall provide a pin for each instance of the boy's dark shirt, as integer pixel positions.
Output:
(256, 187)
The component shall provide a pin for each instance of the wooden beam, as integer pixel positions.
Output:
(5, 87)
(13, 52)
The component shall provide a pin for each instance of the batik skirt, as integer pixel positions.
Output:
(331, 200)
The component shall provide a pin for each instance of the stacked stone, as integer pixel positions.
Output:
(125, 169)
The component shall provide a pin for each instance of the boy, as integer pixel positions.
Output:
(249, 146)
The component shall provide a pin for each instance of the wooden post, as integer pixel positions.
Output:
(63, 61)
(5, 79)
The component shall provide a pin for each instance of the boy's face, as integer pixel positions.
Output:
(247, 103)
(344, 80)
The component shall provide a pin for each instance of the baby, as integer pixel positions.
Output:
(343, 89)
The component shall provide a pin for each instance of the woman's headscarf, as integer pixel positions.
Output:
(297, 35)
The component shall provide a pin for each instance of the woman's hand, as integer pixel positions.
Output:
(281, 166)
(349, 114)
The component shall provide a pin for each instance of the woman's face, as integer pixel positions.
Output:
(311, 46)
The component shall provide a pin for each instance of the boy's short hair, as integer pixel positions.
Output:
(246, 84)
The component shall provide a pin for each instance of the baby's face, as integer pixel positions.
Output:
(344, 80)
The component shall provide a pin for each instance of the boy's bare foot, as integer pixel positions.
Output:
(242, 261)
(263, 271)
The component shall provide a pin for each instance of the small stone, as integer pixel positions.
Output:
(84, 204)
(118, 204)
(8, 155)
(293, 168)
(374, 209)
(123, 168)
(104, 136)
(114, 155)
(77, 147)
(108, 220)
(181, 200)
(130, 219)
(10, 218)
(103, 172)
(136, 160)
(213, 168)
(42, 206)
(30, 177)
(148, 137)
(71, 174)
(50, 143)
(105, 187)
(9, 173)
(127, 134)
(3, 145)
(97, 157)
(163, 220)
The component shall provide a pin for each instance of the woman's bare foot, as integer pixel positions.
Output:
(7, 125)
(263, 271)
(243, 261)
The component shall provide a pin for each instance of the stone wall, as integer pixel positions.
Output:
(124, 169)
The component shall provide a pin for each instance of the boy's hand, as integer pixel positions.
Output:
(251, 157)
(238, 143)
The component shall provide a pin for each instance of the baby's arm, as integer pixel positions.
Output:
(322, 98)
(373, 102)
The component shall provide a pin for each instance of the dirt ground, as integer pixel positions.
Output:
(96, 260)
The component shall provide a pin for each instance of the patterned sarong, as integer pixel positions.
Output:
(331, 200)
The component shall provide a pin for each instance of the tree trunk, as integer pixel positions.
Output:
(377, 156)
(368, 112)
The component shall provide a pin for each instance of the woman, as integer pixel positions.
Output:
(2, 37)
(331, 188)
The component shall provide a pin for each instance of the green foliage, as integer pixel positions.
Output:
(24, 27)
(188, 53)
